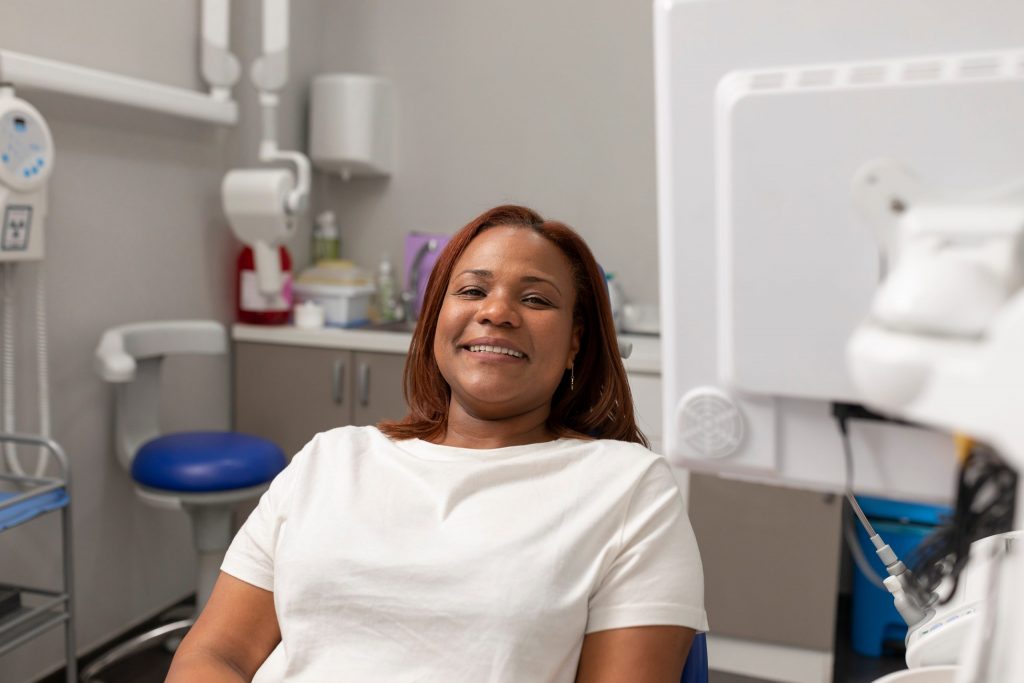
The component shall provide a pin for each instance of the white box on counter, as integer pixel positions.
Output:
(344, 305)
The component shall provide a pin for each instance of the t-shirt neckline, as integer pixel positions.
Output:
(432, 451)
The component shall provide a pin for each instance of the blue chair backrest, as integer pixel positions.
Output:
(696, 669)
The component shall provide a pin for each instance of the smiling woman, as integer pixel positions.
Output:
(592, 395)
(513, 527)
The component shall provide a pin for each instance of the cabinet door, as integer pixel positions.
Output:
(377, 387)
(771, 560)
(289, 393)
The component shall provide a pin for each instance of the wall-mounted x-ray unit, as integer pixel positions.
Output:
(218, 65)
(767, 109)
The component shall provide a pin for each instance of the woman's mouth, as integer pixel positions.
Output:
(500, 350)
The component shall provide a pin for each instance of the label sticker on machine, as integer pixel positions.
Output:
(17, 223)
(253, 299)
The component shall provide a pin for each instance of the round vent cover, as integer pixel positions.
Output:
(709, 423)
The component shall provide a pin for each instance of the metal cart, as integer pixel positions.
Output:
(27, 612)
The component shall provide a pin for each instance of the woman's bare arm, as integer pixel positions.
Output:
(644, 654)
(232, 637)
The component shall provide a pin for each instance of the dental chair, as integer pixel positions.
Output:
(696, 669)
(205, 474)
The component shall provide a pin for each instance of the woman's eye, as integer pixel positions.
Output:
(470, 291)
(536, 301)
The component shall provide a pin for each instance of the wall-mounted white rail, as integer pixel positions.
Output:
(29, 72)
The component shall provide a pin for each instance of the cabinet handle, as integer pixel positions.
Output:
(338, 382)
(364, 384)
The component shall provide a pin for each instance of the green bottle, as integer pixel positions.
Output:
(326, 243)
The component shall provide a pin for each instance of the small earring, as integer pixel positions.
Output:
(572, 378)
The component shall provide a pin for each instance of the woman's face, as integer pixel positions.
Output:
(505, 334)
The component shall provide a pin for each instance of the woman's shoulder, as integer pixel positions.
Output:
(357, 434)
(620, 457)
(623, 449)
(332, 444)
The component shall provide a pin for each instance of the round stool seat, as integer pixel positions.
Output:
(207, 461)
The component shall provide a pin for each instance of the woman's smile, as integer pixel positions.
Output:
(491, 348)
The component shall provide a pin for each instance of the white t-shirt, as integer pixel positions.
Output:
(409, 561)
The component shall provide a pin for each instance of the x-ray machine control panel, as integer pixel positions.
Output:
(26, 160)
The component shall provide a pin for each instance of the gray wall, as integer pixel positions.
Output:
(547, 104)
(135, 232)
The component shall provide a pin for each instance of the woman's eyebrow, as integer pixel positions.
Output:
(478, 272)
(531, 279)
(489, 275)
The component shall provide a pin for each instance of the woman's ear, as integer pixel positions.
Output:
(574, 343)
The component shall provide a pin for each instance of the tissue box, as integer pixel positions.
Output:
(344, 305)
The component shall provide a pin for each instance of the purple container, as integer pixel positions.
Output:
(418, 244)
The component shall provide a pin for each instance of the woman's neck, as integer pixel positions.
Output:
(468, 431)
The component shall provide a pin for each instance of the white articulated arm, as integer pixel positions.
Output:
(270, 71)
(220, 68)
(131, 356)
(269, 74)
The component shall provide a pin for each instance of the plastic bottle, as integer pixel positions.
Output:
(254, 307)
(326, 240)
(616, 299)
(386, 291)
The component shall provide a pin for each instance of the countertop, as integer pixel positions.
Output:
(645, 358)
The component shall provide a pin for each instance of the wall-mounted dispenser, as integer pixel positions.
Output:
(351, 119)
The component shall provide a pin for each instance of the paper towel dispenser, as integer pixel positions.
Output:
(351, 121)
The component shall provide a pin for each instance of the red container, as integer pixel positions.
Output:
(254, 307)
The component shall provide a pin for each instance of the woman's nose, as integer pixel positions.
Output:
(497, 309)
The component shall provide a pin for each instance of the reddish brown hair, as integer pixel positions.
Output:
(600, 404)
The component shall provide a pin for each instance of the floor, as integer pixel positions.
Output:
(148, 666)
(850, 667)
(151, 665)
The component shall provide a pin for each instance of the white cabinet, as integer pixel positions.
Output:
(646, 388)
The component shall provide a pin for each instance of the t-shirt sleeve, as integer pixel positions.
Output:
(656, 578)
(250, 557)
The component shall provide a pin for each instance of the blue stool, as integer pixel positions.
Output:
(696, 669)
(206, 474)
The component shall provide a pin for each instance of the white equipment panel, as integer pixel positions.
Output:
(764, 269)
(798, 264)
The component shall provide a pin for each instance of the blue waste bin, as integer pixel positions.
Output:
(876, 625)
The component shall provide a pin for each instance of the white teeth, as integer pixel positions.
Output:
(496, 349)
